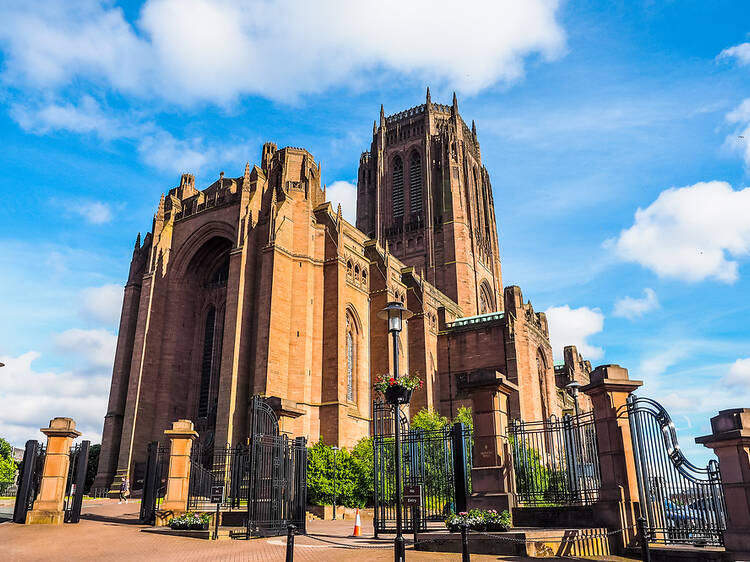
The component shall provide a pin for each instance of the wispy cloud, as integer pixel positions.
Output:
(102, 304)
(739, 53)
(631, 307)
(738, 376)
(156, 146)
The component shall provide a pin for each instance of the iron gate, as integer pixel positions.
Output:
(30, 470)
(155, 481)
(74, 488)
(682, 503)
(437, 461)
(265, 479)
(556, 461)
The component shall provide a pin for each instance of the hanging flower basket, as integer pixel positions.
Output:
(397, 394)
(397, 390)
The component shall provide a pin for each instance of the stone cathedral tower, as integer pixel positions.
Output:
(423, 192)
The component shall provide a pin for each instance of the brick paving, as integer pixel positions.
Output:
(111, 531)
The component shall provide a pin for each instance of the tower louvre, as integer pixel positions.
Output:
(422, 188)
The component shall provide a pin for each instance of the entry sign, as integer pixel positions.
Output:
(413, 495)
(217, 494)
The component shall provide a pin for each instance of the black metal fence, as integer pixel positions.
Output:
(30, 479)
(155, 481)
(437, 461)
(74, 488)
(266, 479)
(556, 461)
(682, 502)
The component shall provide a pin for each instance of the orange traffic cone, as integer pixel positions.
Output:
(357, 526)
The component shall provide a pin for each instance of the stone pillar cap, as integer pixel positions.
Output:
(484, 379)
(611, 377)
(182, 428)
(61, 427)
(729, 424)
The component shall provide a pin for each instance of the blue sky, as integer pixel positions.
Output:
(611, 134)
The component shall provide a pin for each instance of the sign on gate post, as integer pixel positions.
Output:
(413, 499)
(217, 497)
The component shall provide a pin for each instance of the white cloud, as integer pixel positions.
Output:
(345, 193)
(96, 346)
(102, 303)
(200, 50)
(739, 375)
(741, 53)
(573, 326)
(157, 147)
(631, 307)
(739, 140)
(690, 233)
(29, 398)
(85, 117)
(93, 212)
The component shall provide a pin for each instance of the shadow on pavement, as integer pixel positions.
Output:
(123, 520)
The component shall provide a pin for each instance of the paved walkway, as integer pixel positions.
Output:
(111, 531)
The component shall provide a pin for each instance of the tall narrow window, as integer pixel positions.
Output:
(398, 187)
(415, 183)
(350, 359)
(486, 300)
(207, 363)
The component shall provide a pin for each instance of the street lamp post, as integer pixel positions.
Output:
(395, 314)
(572, 388)
(335, 449)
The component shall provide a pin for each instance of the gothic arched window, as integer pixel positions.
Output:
(486, 300)
(541, 366)
(351, 356)
(415, 183)
(207, 362)
(398, 187)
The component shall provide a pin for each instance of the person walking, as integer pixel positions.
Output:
(124, 489)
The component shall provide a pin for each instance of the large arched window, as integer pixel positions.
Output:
(415, 183)
(486, 300)
(541, 367)
(351, 357)
(207, 362)
(398, 187)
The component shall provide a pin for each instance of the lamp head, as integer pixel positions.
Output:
(395, 314)
(572, 388)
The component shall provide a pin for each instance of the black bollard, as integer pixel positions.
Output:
(645, 550)
(465, 543)
(290, 542)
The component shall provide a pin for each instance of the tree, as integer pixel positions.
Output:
(354, 477)
(8, 466)
(92, 467)
(428, 419)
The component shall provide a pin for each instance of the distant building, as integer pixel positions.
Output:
(257, 285)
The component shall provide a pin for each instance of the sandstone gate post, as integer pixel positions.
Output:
(181, 437)
(492, 474)
(730, 440)
(49, 504)
(618, 496)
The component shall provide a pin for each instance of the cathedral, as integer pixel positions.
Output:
(257, 285)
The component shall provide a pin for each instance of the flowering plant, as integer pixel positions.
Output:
(190, 520)
(409, 382)
(479, 520)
